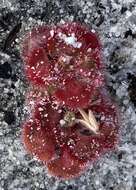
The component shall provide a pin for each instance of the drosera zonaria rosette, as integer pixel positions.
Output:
(51, 60)
(83, 140)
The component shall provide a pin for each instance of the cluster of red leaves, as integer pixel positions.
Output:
(63, 64)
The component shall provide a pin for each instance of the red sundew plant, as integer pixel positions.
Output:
(73, 121)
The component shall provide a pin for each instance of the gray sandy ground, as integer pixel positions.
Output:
(115, 21)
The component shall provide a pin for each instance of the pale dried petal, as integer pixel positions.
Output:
(84, 115)
(87, 125)
(92, 120)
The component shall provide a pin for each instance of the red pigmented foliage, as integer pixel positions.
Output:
(67, 166)
(74, 94)
(68, 148)
(73, 121)
(51, 54)
(38, 131)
